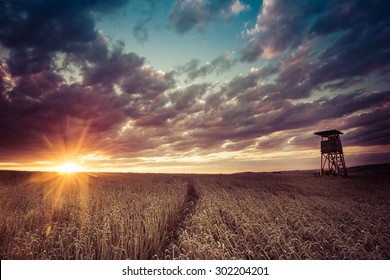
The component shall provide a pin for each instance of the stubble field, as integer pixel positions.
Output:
(161, 216)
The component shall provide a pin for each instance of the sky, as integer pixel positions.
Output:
(201, 86)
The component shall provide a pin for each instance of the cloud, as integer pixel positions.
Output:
(345, 64)
(42, 112)
(284, 25)
(33, 31)
(5, 78)
(112, 67)
(357, 54)
(194, 69)
(184, 99)
(141, 32)
(60, 115)
(350, 15)
(280, 25)
(369, 128)
(147, 82)
(241, 121)
(189, 15)
(61, 85)
(43, 109)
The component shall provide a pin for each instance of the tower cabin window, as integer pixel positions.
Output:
(331, 144)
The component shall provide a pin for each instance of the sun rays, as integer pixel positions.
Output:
(66, 179)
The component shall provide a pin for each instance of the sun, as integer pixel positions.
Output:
(68, 167)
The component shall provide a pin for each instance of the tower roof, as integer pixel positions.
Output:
(328, 133)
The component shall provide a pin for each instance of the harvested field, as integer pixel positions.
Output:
(287, 215)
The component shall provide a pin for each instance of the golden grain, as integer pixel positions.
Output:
(155, 216)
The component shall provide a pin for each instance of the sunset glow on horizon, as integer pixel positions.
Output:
(68, 167)
(191, 86)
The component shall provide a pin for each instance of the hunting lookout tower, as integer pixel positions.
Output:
(332, 157)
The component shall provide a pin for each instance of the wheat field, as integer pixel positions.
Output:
(283, 215)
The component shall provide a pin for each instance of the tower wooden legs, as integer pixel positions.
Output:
(335, 162)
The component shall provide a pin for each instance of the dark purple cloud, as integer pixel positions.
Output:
(110, 69)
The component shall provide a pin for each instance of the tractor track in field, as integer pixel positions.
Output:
(187, 210)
